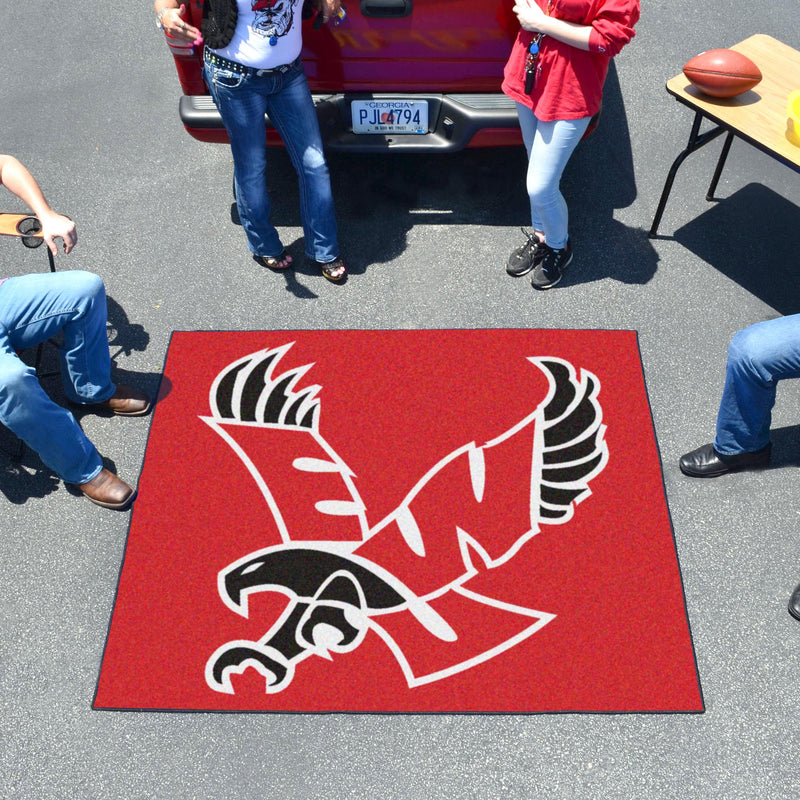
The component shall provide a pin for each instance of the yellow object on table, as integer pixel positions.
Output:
(793, 123)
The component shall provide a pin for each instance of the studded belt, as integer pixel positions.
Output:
(235, 66)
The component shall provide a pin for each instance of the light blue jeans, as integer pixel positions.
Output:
(549, 146)
(34, 308)
(243, 100)
(758, 357)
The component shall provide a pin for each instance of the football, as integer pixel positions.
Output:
(722, 73)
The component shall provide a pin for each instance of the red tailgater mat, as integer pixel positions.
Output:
(401, 521)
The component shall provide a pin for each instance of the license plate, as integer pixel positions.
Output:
(389, 116)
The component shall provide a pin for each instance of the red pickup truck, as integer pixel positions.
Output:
(403, 75)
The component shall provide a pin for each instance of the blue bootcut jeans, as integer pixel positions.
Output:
(34, 308)
(758, 357)
(243, 100)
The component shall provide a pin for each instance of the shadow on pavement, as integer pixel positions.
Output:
(22, 481)
(752, 237)
(785, 446)
(599, 179)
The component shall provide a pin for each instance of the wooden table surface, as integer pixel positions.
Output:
(759, 115)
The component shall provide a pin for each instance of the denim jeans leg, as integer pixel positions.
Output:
(47, 428)
(242, 103)
(34, 308)
(549, 146)
(293, 113)
(758, 358)
(29, 316)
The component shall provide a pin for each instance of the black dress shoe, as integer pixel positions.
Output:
(794, 602)
(706, 462)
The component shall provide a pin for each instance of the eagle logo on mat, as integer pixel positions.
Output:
(412, 577)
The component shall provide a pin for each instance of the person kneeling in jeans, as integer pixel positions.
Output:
(34, 308)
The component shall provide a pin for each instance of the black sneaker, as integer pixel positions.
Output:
(550, 269)
(525, 258)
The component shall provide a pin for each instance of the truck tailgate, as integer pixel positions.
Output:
(413, 46)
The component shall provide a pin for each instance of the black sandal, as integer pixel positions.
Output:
(274, 262)
(331, 267)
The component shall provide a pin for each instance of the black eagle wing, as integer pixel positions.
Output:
(571, 449)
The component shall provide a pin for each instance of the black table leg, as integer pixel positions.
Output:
(696, 141)
(720, 164)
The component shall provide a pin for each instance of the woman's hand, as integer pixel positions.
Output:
(172, 19)
(530, 16)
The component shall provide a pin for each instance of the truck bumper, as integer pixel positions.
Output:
(455, 121)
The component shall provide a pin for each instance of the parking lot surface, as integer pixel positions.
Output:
(89, 104)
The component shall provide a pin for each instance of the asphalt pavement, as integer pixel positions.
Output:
(89, 103)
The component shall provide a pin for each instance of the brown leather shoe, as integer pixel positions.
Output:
(126, 402)
(109, 491)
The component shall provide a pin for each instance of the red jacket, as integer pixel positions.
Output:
(570, 84)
